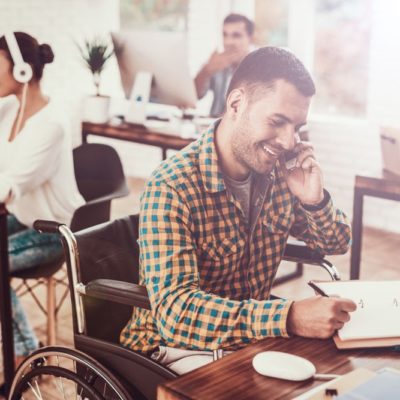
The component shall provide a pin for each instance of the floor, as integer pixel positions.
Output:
(380, 260)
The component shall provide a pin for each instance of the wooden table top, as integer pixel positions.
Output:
(137, 134)
(233, 377)
(381, 181)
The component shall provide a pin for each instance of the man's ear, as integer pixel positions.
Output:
(235, 102)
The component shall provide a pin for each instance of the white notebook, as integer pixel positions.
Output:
(378, 307)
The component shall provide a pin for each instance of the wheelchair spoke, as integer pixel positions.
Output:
(60, 379)
(79, 396)
(38, 389)
(37, 393)
(64, 374)
(58, 383)
(104, 390)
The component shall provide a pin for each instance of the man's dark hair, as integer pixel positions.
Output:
(232, 18)
(262, 67)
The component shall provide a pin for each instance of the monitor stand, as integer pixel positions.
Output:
(140, 94)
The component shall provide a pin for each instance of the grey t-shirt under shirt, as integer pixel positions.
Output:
(241, 191)
(250, 196)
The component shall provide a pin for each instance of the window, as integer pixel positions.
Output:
(271, 22)
(154, 14)
(341, 56)
(333, 38)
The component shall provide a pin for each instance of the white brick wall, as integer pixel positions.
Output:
(345, 149)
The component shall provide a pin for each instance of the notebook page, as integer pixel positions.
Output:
(378, 307)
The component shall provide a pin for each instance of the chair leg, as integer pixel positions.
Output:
(51, 311)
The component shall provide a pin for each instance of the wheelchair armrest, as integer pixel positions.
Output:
(121, 292)
(301, 253)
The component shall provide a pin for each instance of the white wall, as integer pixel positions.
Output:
(384, 85)
(384, 97)
(345, 149)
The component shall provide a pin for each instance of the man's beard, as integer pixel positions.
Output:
(248, 153)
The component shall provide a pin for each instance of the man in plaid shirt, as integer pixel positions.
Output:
(215, 219)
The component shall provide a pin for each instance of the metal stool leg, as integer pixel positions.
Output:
(51, 311)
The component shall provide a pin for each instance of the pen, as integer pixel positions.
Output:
(326, 377)
(317, 289)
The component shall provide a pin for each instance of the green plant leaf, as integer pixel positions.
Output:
(95, 54)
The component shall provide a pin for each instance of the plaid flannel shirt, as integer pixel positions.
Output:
(208, 282)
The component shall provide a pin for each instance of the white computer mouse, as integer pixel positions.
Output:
(283, 366)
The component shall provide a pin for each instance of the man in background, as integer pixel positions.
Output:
(216, 74)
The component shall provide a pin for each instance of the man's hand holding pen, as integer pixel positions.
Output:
(319, 317)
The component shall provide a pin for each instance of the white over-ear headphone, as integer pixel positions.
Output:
(22, 71)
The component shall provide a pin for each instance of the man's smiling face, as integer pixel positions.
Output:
(266, 126)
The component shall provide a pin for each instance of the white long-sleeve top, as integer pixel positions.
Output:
(36, 168)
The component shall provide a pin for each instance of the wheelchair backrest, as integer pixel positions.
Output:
(108, 251)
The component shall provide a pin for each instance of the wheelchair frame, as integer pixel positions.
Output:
(106, 367)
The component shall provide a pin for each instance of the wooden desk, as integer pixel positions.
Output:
(233, 377)
(384, 185)
(136, 134)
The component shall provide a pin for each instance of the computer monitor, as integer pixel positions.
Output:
(164, 55)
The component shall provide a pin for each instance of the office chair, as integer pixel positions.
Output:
(100, 178)
(103, 271)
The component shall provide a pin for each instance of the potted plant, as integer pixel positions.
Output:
(95, 54)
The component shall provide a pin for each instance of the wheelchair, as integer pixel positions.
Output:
(102, 264)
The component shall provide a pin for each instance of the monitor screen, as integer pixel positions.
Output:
(164, 54)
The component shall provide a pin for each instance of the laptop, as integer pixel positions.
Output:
(390, 147)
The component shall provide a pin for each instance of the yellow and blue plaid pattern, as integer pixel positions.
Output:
(209, 285)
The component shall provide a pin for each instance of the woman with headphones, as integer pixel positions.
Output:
(36, 168)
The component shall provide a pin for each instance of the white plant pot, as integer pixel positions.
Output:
(96, 109)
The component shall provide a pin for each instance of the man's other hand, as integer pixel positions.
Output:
(306, 181)
(319, 317)
(220, 61)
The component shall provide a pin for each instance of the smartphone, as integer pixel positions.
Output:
(290, 157)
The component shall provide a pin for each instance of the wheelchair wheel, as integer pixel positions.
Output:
(62, 373)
